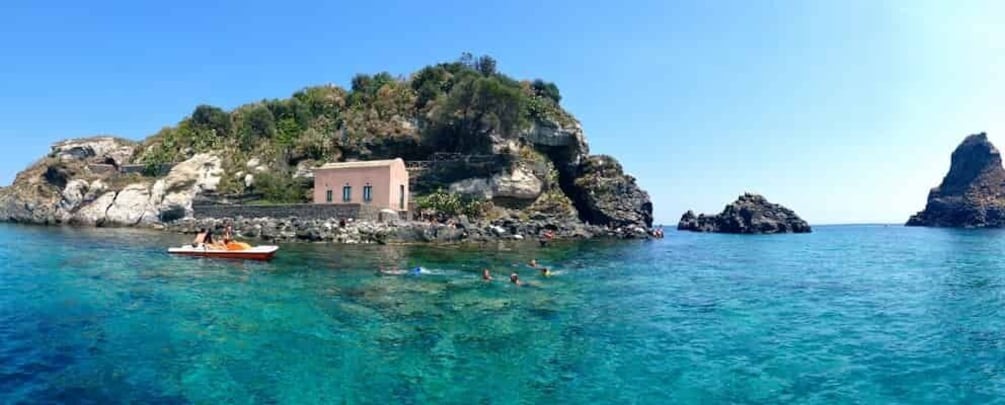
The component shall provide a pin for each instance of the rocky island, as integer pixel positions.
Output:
(972, 195)
(749, 214)
(488, 156)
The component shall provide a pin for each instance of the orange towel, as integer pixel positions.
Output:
(238, 246)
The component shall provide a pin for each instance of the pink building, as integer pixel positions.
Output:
(381, 183)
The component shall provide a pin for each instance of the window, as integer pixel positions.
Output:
(367, 192)
(346, 193)
(328, 196)
(401, 198)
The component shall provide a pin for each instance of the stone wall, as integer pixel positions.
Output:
(101, 168)
(302, 211)
(159, 170)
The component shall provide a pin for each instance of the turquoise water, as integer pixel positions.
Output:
(865, 314)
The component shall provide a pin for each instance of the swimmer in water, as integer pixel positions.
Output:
(485, 275)
(532, 264)
(546, 237)
(381, 271)
(514, 278)
(545, 272)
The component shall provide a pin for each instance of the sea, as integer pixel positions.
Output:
(871, 314)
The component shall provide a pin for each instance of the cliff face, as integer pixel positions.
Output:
(973, 192)
(533, 160)
(749, 214)
(67, 187)
(605, 195)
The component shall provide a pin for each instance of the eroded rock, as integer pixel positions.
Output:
(972, 195)
(604, 195)
(749, 214)
(99, 149)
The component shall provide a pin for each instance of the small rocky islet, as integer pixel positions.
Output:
(517, 164)
(972, 195)
(749, 214)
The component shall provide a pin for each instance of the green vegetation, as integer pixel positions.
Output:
(447, 107)
(254, 124)
(553, 202)
(461, 106)
(280, 188)
(446, 204)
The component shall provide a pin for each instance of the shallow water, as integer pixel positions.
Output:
(866, 314)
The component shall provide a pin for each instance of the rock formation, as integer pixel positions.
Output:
(749, 214)
(517, 149)
(63, 189)
(596, 187)
(48, 190)
(518, 183)
(973, 192)
(99, 149)
(605, 195)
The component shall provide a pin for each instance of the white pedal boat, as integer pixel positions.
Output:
(251, 253)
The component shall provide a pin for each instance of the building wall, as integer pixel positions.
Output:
(389, 184)
(399, 186)
(356, 177)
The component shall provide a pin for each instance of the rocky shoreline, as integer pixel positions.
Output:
(364, 232)
(62, 188)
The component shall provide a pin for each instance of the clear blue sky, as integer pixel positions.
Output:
(844, 110)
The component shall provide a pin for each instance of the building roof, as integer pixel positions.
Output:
(358, 164)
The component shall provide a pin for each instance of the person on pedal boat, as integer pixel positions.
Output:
(200, 237)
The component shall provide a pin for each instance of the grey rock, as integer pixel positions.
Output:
(749, 214)
(518, 183)
(972, 195)
(99, 149)
(605, 195)
(387, 215)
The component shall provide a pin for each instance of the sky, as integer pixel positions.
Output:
(845, 111)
